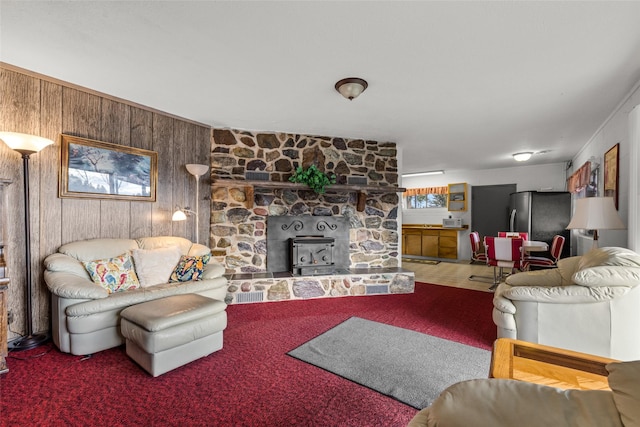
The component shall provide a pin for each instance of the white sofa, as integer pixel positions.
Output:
(85, 316)
(589, 304)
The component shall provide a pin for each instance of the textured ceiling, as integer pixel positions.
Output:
(458, 85)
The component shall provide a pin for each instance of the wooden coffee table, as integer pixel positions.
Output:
(551, 366)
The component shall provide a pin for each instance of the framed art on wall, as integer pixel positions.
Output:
(611, 164)
(96, 169)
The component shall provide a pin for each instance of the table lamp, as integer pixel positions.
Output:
(595, 213)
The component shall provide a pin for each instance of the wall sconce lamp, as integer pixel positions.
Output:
(522, 157)
(595, 213)
(181, 213)
(351, 87)
(26, 145)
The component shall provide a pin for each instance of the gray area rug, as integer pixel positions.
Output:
(409, 366)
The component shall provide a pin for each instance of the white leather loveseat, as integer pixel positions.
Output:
(86, 316)
(589, 304)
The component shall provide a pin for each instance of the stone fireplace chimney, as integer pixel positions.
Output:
(243, 209)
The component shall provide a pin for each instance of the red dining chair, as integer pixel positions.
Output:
(503, 252)
(556, 250)
(522, 234)
(476, 254)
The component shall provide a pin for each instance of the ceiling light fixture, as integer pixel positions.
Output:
(438, 172)
(523, 157)
(351, 87)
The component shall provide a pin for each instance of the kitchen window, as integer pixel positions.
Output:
(424, 198)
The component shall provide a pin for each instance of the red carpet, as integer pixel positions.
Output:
(251, 381)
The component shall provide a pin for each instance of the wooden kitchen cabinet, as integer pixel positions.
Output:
(430, 239)
(448, 244)
(412, 242)
(457, 197)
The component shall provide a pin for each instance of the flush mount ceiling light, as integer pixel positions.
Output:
(351, 87)
(438, 172)
(523, 157)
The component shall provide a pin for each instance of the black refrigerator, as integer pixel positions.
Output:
(542, 214)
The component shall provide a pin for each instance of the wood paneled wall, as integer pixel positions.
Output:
(34, 104)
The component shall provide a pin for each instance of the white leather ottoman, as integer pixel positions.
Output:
(166, 333)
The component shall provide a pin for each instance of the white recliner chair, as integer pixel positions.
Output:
(589, 304)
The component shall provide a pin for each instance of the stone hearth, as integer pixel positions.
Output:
(265, 287)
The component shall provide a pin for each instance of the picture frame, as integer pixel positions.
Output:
(611, 173)
(101, 170)
(591, 188)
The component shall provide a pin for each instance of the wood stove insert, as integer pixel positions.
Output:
(312, 255)
(307, 245)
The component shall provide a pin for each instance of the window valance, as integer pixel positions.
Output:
(426, 190)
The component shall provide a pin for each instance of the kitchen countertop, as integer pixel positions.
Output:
(433, 227)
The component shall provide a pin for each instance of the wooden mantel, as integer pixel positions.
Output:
(362, 190)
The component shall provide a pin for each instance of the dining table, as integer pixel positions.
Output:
(534, 246)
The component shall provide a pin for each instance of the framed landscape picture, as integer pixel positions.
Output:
(611, 164)
(95, 169)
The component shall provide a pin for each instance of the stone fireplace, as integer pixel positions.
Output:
(251, 196)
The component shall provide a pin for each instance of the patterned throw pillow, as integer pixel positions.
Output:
(189, 268)
(114, 274)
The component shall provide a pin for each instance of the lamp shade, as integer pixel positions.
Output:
(24, 143)
(196, 170)
(179, 215)
(596, 213)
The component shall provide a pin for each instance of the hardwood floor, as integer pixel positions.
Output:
(455, 274)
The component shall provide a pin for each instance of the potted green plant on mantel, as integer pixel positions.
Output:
(314, 178)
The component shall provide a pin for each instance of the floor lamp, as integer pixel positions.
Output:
(26, 145)
(179, 215)
(595, 213)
